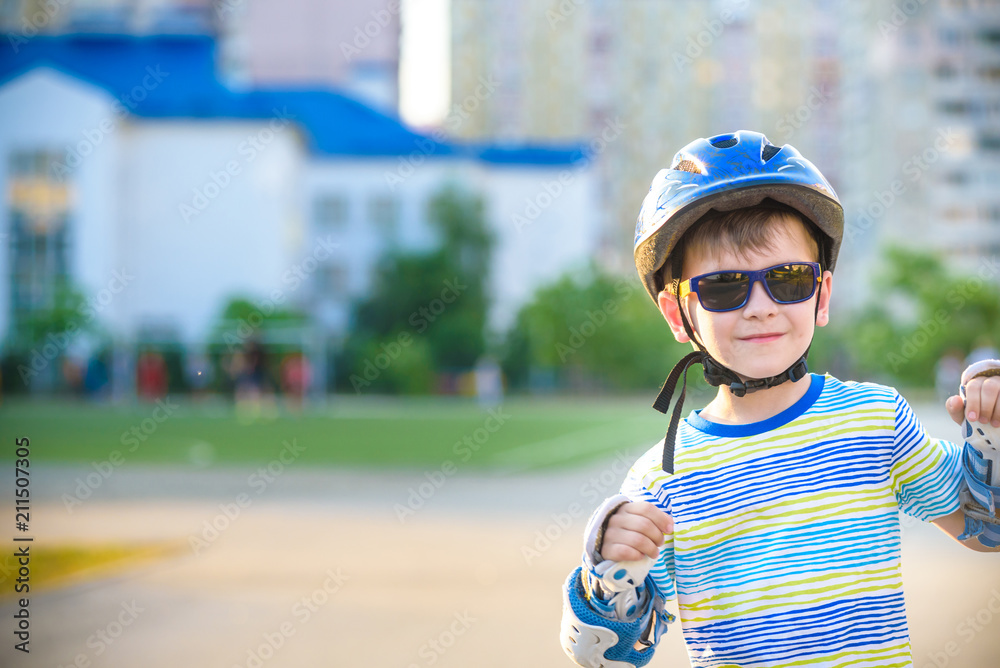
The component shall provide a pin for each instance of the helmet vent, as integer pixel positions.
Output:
(726, 143)
(769, 151)
(687, 166)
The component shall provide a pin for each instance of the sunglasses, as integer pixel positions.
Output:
(788, 283)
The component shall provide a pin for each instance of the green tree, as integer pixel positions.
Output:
(595, 326)
(438, 297)
(68, 314)
(932, 311)
(241, 319)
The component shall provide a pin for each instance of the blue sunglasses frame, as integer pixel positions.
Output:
(693, 284)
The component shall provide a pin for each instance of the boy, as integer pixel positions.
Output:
(771, 515)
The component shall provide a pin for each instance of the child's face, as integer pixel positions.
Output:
(763, 338)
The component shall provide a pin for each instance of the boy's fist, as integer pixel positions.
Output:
(636, 530)
(982, 397)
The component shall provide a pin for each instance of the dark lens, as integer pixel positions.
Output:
(791, 283)
(724, 290)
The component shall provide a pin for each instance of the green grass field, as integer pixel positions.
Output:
(350, 431)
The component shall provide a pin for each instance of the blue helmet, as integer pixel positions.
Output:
(728, 172)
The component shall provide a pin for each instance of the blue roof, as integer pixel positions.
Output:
(332, 123)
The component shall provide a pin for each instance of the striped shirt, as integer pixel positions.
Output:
(786, 549)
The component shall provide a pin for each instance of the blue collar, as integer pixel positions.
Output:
(773, 422)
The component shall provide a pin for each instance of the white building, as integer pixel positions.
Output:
(130, 170)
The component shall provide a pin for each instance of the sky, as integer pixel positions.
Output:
(423, 67)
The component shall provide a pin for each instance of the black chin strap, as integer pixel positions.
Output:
(715, 375)
(662, 403)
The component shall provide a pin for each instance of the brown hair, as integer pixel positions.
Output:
(746, 230)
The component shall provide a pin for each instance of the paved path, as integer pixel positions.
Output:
(318, 569)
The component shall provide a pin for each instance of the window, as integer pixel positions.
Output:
(990, 212)
(334, 280)
(990, 73)
(988, 142)
(331, 211)
(39, 243)
(991, 37)
(956, 178)
(957, 107)
(946, 70)
(383, 211)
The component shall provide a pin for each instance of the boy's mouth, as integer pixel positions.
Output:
(764, 337)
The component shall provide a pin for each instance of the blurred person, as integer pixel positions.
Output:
(489, 382)
(771, 515)
(295, 377)
(95, 378)
(253, 393)
(151, 375)
(72, 374)
(198, 369)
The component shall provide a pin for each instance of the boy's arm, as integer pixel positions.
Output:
(954, 526)
(977, 409)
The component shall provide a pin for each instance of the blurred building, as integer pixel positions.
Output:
(133, 173)
(350, 46)
(863, 89)
(665, 73)
(947, 56)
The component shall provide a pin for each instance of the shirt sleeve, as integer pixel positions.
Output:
(635, 488)
(926, 472)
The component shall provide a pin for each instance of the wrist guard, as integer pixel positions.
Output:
(981, 470)
(593, 640)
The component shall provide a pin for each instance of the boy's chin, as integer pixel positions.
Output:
(763, 371)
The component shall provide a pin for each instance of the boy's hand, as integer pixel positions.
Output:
(982, 403)
(636, 530)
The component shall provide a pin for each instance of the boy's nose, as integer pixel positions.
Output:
(760, 303)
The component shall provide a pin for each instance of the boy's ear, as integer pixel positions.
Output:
(825, 292)
(668, 307)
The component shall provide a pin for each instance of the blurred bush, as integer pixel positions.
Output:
(590, 330)
(922, 312)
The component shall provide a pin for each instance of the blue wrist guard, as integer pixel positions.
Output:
(981, 469)
(594, 640)
(981, 500)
